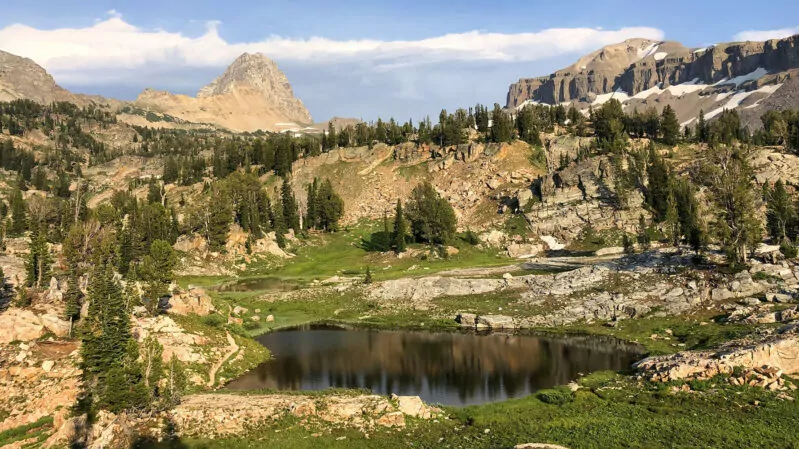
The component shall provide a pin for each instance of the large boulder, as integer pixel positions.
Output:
(19, 325)
(524, 250)
(55, 324)
(495, 322)
(193, 302)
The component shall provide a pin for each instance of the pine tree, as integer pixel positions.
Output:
(109, 353)
(400, 229)
(781, 214)
(171, 171)
(73, 299)
(157, 271)
(643, 233)
(175, 382)
(729, 177)
(702, 131)
(329, 207)
(38, 263)
(18, 213)
(669, 126)
(291, 216)
(311, 215)
(218, 223)
(431, 216)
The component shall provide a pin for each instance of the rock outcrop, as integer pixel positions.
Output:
(22, 78)
(644, 74)
(636, 65)
(780, 351)
(253, 94)
(223, 415)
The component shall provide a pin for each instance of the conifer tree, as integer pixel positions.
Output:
(175, 382)
(291, 216)
(400, 229)
(218, 223)
(329, 207)
(157, 271)
(38, 263)
(431, 216)
(781, 214)
(669, 126)
(72, 298)
(18, 213)
(729, 178)
(109, 353)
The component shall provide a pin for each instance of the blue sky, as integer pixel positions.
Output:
(357, 58)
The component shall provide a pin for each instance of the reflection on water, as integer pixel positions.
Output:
(443, 368)
(260, 284)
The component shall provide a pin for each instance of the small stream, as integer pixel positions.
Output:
(449, 368)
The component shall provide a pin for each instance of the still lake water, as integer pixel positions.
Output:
(448, 368)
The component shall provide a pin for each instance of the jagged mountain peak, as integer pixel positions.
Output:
(249, 70)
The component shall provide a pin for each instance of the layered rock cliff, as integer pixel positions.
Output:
(637, 65)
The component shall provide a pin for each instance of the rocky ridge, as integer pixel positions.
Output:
(635, 70)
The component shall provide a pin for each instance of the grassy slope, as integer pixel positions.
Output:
(615, 411)
(611, 411)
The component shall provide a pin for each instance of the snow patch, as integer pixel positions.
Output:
(700, 50)
(619, 94)
(526, 102)
(723, 96)
(644, 94)
(686, 88)
(648, 50)
(768, 90)
(738, 80)
(684, 124)
(733, 103)
(661, 55)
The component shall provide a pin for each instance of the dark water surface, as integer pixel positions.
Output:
(447, 368)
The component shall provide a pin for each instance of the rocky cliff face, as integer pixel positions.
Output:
(23, 78)
(256, 71)
(251, 95)
(637, 65)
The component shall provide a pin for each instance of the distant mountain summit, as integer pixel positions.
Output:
(256, 71)
(253, 94)
(642, 74)
(22, 78)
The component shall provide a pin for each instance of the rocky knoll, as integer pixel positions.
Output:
(253, 94)
(222, 415)
(770, 357)
(637, 65)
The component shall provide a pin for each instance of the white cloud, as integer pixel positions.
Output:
(764, 35)
(84, 55)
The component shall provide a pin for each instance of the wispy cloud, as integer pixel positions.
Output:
(362, 78)
(112, 44)
(764, 35)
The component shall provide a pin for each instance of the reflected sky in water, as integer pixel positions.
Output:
(444, 368)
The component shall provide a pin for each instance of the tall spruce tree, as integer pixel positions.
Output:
(38, 263)
(669, 126)
(291, 215)
(109, 352)
(400, 229)
(18, 213)
(781, 214)
(431, 216)
(729, 178)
